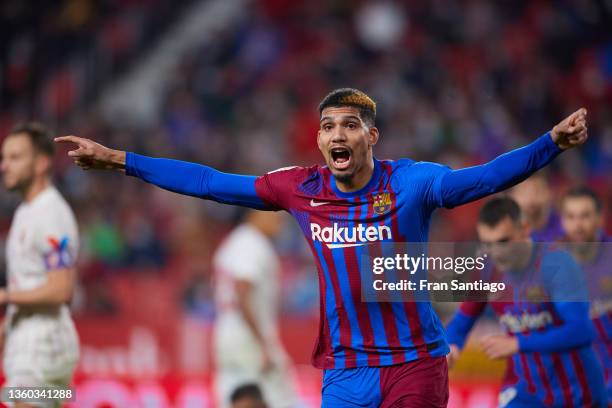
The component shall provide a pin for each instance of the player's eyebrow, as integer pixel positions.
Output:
(347, 117)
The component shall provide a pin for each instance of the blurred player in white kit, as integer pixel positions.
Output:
(41, 346)
(247, 344)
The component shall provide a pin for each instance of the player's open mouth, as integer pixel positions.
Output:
(341, 157)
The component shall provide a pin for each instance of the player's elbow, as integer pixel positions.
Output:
(59, 295)
(493, 181)
(63, 295)
(584, 332)
(61, 286)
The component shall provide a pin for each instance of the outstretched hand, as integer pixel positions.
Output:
(571, 131)
(92, 155)
(499, 346)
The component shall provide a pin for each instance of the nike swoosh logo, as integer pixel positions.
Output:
(334, 246)
(314, 203)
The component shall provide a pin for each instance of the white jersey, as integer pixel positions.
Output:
(43, 236)
(246, 254)
(41, 344)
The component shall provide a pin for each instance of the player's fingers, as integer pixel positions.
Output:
(485, 340)
(580, 138)
(83, 164)
(580, 113)
(69, 139)
(579, 128)
(581, 121)
(76, 152)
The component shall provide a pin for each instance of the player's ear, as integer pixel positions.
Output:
(42, 164)
(600, 220)
(373, 136)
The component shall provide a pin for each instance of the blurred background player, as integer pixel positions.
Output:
(248, 396)
(582, 220)
(248, 348)
(41, 344)
(535, 198)
(547, 343)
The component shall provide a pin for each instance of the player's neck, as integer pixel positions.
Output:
(587, 251)
(542, 221)
(37, 186)
(525, 256)
(361, 178)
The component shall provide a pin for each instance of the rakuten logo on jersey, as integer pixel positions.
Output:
(526, 321)
(342, 237)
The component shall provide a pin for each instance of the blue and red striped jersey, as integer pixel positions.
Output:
(395, 206)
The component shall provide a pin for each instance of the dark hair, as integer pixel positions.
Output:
(38, 134)
(494, 211)
(584, 192)
(351, 97)
(250, 390)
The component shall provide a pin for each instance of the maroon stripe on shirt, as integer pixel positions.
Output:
(548, 396)
(587, 398)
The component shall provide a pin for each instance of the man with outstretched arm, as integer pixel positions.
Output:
(373, 353)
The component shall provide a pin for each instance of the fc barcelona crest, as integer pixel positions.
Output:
(382, 203)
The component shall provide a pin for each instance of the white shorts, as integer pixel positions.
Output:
(41, 351)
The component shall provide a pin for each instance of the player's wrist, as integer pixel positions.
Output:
(554, 136)
(117, 159)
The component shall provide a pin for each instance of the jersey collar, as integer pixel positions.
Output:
(373, 180)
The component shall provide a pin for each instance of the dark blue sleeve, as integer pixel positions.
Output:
(565, 281)
(458, 328)
(195, 180)
(462, 322)
(455, 187)
(575, 331)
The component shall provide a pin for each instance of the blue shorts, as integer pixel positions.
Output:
(416, 384)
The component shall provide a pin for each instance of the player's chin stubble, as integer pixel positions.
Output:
(19, 185)
(344, 178)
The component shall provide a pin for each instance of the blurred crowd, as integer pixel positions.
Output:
(455, 82)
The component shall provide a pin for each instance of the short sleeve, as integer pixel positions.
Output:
(57, 242)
